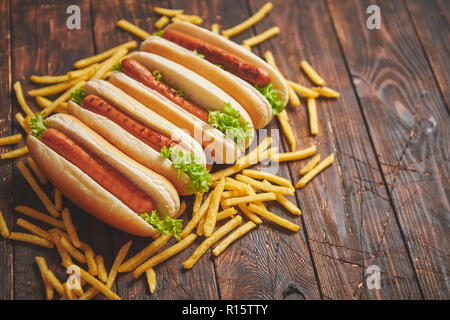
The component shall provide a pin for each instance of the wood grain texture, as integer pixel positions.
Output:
(172, 280)
(6, 128)
(432, 24)
(270, 262)
(408, 123)
(346, 209)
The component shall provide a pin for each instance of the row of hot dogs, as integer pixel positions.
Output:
(134, 143)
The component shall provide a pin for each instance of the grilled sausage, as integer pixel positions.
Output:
(98, 170)
(230, 62)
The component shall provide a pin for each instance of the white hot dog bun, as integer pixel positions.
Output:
(246, 94)
(86, 193)
(128, 143)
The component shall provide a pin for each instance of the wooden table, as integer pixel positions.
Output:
(384, 202)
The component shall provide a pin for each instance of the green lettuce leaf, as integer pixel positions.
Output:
(77, 96)
(159, 33)
(189, 164)
(166, 226)
(272, 96)
(228, 121)
(157, 74)
(37, 125)
(117, 67)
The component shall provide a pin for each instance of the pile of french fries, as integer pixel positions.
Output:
(235, 205)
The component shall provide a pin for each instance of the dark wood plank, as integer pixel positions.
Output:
(6, 128)
(431, 21)
(37, 48)
(346, 209)
(270, 262)
(172, 281)
(408, 124)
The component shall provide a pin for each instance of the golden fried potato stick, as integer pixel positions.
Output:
(315, 171)
(235, 235)
(311, 73)
(4, 141)
(254, 19)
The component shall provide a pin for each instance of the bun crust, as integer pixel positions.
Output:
(144, 115)
(217, 145)
(250, 98)
(130, 145)
(86, 193)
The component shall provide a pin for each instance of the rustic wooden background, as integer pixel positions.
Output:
(384, 201)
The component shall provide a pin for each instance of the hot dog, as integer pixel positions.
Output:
(225, 127)
(230, 62)
(98, 170)
(142, 134)
(99, 178)
(258, 87)
(137, 71)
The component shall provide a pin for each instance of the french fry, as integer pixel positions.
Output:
(236, 234)
(71, 231)
(10, 139)
(315, 171)
(70, 249)
(49, 79)
(310, 165)
(164, 255)
(45, 103)
(30, 238)
(56, 235)
(256, 174)
(197, 217)
(34, 229)
(90, 260)
(255, 40)
(38, 190)
(287, 129)
(246, 47)
(94, 282)
(55, 283)
(151, 279)
(225, 173)
(258, 16)
(210, 221)
(32, 213)
(326, 92)
(42, 265)
(194, 19)
(249, 214)
(161, 22)
(144, 254)
(208, 242)
(53, 89)
(83, 72)
(58, 199)
(312, 112)
(128, 26)
(16, 153)
(21, 120)
(292, 208)
(251, 198)
(200, 225)
(37, 171)
(215, 28)
(274, 218)
(104, 55)
(312, 74)
(233, 194)
(302, 90)
(253, 156)
(222, 215)
(102, 274)
(291, 156)
(4, 231)
(107, 65)
(264, 187)
(62, 98)
(68, 291)
(168, 12)
(23, 104)
(92, 292)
